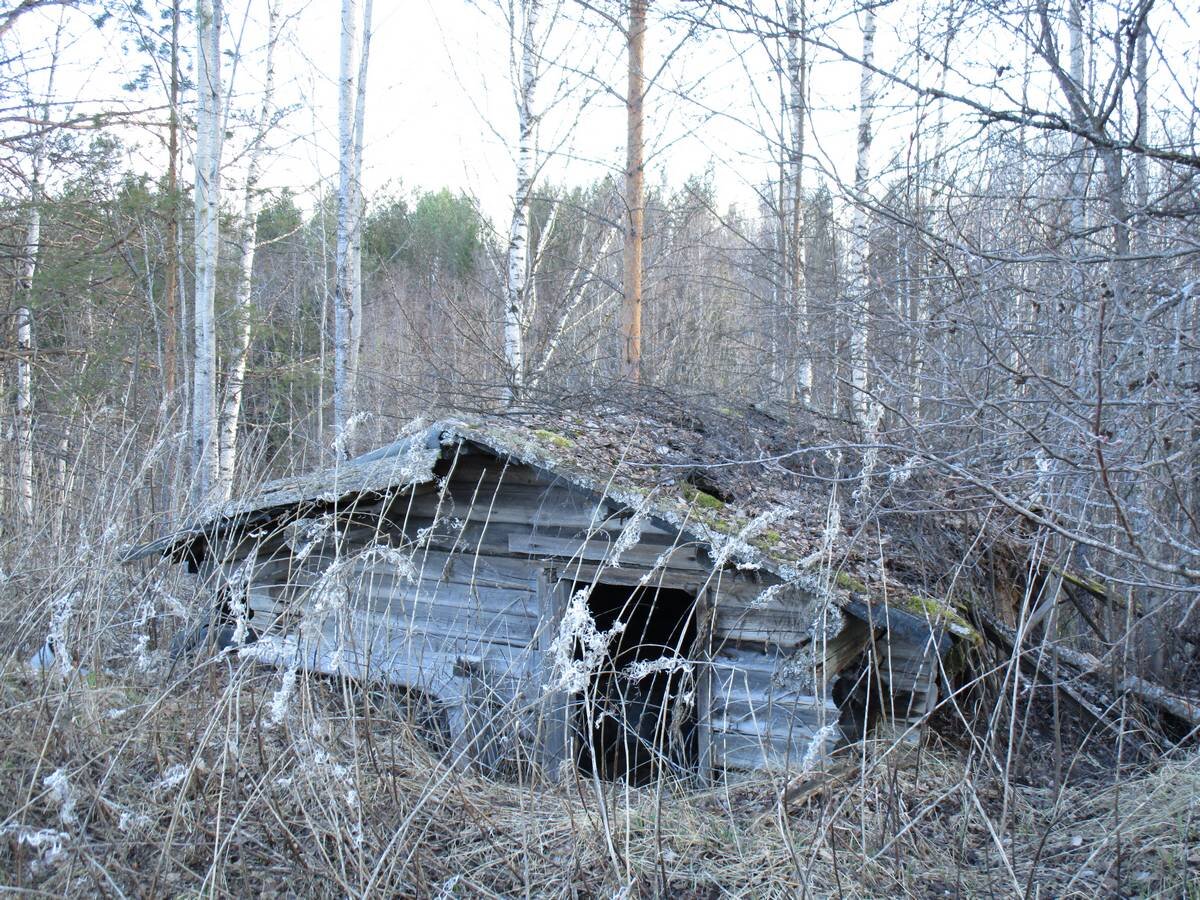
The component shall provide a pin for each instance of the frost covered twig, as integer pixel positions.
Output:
(578, 626)
(64, 795)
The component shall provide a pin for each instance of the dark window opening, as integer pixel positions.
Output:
(637, 719)
(858, 709)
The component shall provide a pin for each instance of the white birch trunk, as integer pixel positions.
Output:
(517, 286)
(343, 303)
(24, 492)
(859, 294)
(207, 235)
(356, 234)
(635, 194)
(921, 294)
(247, 237)
(1078, 188)
(23, 315)
(24, 325)
(1141, 173)
(796, 294)
(779, 310)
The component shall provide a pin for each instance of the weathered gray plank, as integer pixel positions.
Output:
(535, 506)
(552, 718)
(705, 617)
(428, 624)
(736, 749)
(600, 548)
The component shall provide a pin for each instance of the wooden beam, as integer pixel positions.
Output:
(705, 613)
(599, 548)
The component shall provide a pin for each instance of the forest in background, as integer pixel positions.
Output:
(1002, 290)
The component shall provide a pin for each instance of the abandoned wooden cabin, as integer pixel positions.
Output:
(627, 595)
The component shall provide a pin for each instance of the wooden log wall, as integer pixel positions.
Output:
(453, 608)
(910, 671)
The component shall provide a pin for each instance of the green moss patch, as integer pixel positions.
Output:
(553, 438)
(698, 497)
(767, 540)
(934, 610)
(850, 583)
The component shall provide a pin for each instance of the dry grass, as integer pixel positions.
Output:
(126, 775)
(138, 789)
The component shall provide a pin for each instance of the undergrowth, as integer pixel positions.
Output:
(126, 772)
(116, 785)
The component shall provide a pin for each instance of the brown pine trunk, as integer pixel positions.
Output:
(631, 318)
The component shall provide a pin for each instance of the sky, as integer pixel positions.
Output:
(440, 107)
(441, 110)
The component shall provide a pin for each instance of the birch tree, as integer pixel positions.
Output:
(1078, 186)
(171, 249)
(921, 289)
(343, 373)
(246, 242)
(1091, 115)
(631, 317)
(795, 294)
(209, 134)
(1141, 173)
(23, 314)
(25, 346)
(360, 107)
(859, 293)
(518, 276)
(347, 282)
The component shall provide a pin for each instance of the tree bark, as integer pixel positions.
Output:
(231, 407)
(170, 250)
(796, 299)
(343, 311)
(923, 279)
(207, 237)
(518, 234)
(1141, 173)
(631, 318)
(859, 293)
(25, 346)
(356, 234)
(1078, 187)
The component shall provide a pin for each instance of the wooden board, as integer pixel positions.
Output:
(600, 548)
(755, 721)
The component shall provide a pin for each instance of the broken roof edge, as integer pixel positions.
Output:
(403, 462)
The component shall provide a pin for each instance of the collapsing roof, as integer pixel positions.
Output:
(756, 494)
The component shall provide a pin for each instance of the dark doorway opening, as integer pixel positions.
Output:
(637, 719)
